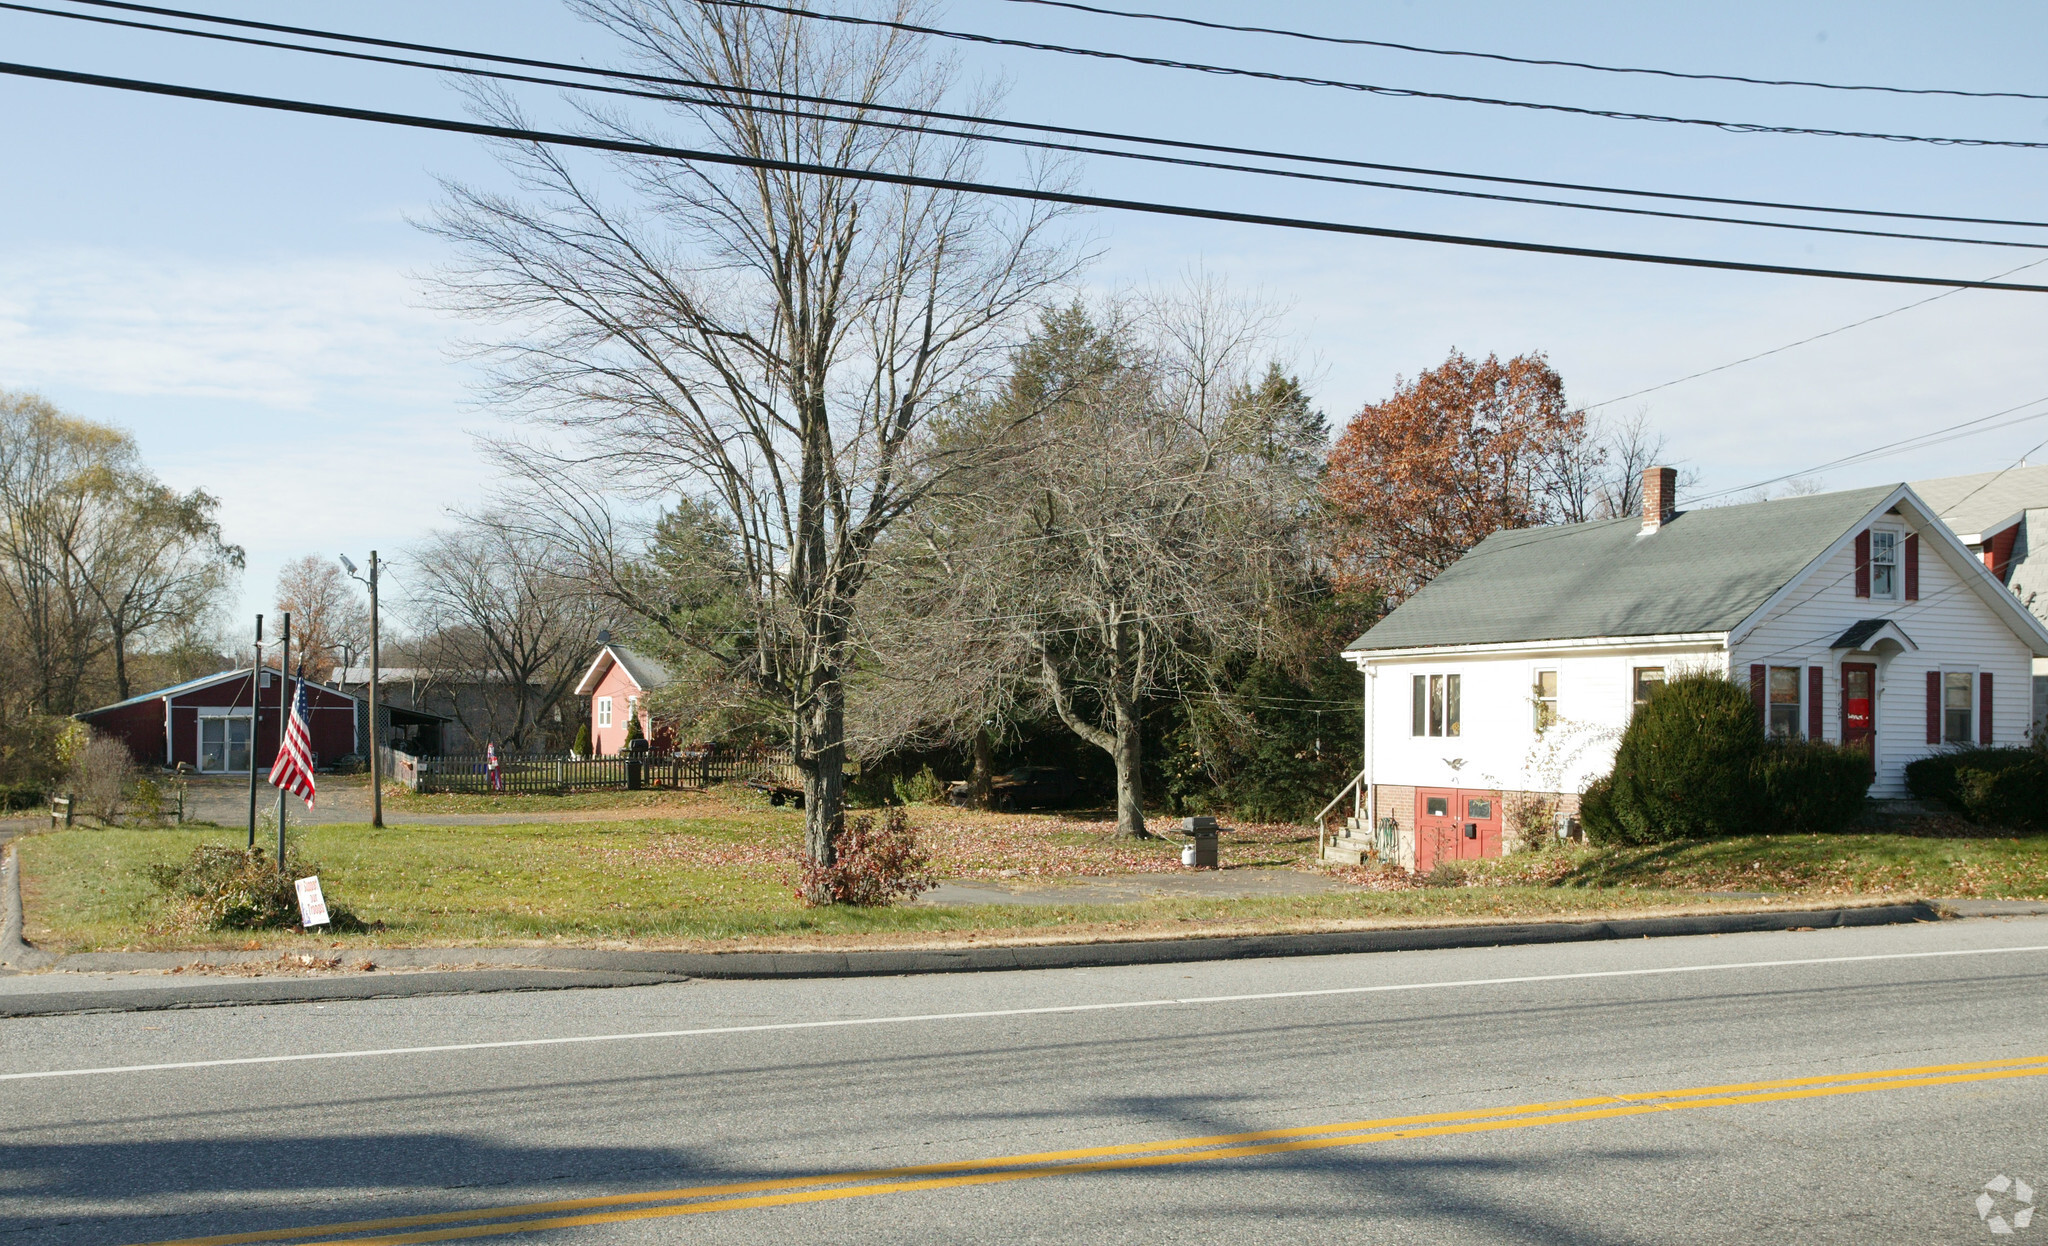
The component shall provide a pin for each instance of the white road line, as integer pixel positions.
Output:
(1052, 1010)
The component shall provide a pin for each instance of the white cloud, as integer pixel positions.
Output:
(282, 333)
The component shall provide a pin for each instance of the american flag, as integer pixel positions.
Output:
(293, 769)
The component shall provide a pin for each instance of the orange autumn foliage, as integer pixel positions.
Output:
(1461, 452)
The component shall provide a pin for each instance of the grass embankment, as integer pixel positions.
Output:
(705, 871)
(717, 875)
(1986, 867)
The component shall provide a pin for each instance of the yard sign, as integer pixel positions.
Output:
(312, 905)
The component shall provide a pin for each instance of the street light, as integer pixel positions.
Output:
(376, 744)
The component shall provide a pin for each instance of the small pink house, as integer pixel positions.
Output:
(617, 684)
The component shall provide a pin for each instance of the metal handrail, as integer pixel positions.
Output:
(1347, 789)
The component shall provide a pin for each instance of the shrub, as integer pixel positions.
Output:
(1811, 786)
(922, 788)
(1596, 812)
(582, 745)
(1685, 768)
(875, 867)
(101, 773)
(222, 887)
(2013, 795)
(1936, 779)
(20, 796)
(33, 752)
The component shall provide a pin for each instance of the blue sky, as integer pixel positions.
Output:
(243, 290)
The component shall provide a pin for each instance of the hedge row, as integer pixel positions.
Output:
(1693, 765)
(2001, 786)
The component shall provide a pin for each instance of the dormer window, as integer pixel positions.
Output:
(1884, 564)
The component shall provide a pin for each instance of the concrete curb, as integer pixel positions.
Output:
(531, 969)
(14, 953)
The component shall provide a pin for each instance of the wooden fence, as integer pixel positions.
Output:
(554, 773)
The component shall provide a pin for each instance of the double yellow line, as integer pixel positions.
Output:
(698, 1200)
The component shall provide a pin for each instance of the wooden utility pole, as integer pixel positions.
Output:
(255, 718)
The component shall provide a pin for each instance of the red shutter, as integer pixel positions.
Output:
(1759, 688)
(1912, 566)
(1984, 708)
(1934, 707)
(1863, 563)
(1813, 723)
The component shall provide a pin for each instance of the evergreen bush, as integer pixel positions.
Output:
(1937, 779)
(923, 788)
(1686, 765)
(1811, 786)
(1596, 812)
(582, 745)
(2011, 795)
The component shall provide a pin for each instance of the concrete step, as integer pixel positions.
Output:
(1348, 849)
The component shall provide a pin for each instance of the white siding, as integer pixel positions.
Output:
(1950, 623)
(1499, 745)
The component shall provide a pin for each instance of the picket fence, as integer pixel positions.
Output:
(555, 773)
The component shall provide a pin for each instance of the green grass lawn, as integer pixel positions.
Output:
(715, 873)
(1988, 867)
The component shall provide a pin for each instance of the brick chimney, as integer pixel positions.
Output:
(1660, 497)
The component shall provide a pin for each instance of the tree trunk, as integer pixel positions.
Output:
(1130, 781)
(981, 780)
(121, 664)
(821, 753)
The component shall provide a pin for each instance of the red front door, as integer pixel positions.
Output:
(1859, 706)
(1455, 825)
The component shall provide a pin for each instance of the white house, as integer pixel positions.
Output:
(1998, 515)
(1494, 695)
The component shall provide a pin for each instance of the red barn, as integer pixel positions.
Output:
(617, 684)
(205, 723)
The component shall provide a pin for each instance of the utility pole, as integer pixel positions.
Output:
(255, 718)
(284, 715)
(376, 678)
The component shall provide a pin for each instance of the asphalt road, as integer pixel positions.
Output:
(1564, 1096)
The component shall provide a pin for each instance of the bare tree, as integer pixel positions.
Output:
(763, 342)
(500, 609)
(1141, 529)
(96, 555)
(330, 619)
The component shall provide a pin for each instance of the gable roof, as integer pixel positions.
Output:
(1976, 504)
(646, 673)
(1703, 571)
(204, 681)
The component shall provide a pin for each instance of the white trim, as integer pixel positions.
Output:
(1890, 631)
(1571, 644)
(1976, 710)
(1898, 534)
(585, 686)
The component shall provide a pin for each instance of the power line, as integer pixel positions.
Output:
(1065, 198)
(971, 119)
(1526, 60)
(1765, 354)
(1266, 75)
(671, 97)
(1967, 428)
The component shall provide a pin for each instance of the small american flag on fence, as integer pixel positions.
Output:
(293, 769)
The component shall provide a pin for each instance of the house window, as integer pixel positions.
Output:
(1649, 682)
(1434, 710)
(1958, 705)
(604, 711)
(1783, 705)
(1544, 693)
(1884, 563)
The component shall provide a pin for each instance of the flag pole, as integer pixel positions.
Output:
(255, 718)
(284, 712)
